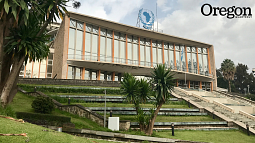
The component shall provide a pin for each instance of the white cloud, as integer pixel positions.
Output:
(232, 38)
(114, 10)
(164, 5)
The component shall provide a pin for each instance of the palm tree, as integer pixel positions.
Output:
(21, 38)
(163, 81)
(228, 70)
(130, 88)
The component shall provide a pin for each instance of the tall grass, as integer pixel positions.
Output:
(8, 111)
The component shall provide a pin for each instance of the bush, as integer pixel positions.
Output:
(43, 105)
(7, 111)
(44, 119)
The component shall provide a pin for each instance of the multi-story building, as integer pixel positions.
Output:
(90, 48)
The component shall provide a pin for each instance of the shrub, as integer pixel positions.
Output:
(7, 111)
(43, 105)
(44, 119)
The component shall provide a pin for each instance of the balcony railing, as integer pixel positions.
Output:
(109, 59)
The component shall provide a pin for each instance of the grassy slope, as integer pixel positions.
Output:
(36, 134)
(170, 118)
(22, 103)
(234, 136)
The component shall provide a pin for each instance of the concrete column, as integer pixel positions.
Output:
(98, 74)
(105, 76)
(90, 75)
(119, 77)
(113, 76)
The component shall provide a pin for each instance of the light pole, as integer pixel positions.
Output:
(248, 88)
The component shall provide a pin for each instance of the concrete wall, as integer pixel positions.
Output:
(213, 66)
(60, 53)
(49, 81)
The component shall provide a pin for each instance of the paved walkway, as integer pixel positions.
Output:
(235, 104)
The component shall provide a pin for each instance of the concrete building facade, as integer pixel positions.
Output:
(90, 48)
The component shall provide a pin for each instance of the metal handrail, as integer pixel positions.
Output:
(104, 58)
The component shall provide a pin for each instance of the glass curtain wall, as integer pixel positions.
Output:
(102, 44)
(154, 53)
(129, 49)
(116, 47)
(108, 47)
(183, 58)
(178, 57)
(142, 52)
(160, 54)
(91, 42)
(166, 55)
(194, 59)
(135, 50)
(49, 66)
(189, 60)
(75, 49)
(148, 52)
(205, 62)
(122, 48)
(171, 55)
(200, 61)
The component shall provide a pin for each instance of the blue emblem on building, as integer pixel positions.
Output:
(146, 17)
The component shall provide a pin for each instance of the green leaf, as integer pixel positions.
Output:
(20, 47)
(6, 6)
(51, 6)
(14, 12)
(14, 1)
(23, 5)
(14, 43)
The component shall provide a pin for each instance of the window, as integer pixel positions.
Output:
(135, 54)
(75, 49)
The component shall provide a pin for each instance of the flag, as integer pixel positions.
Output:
(182, 54)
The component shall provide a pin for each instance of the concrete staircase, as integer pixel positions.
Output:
(231, 115)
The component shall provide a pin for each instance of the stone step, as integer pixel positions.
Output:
(145, 109)
(198, 128)
(160, 113)
(184, 124)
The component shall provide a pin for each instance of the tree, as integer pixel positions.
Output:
(228, 71)
(137, 92)
(130, 88)
(221, 82)
(241, 76)
(23, 24)
(163, 81)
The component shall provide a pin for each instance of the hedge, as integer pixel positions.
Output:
(30, 88)
(43, 117)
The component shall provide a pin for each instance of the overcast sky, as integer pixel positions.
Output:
(232, 38)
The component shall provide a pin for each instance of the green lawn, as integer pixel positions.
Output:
(169, 118)
(37, 135)
(233, 136)
(22, 103)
